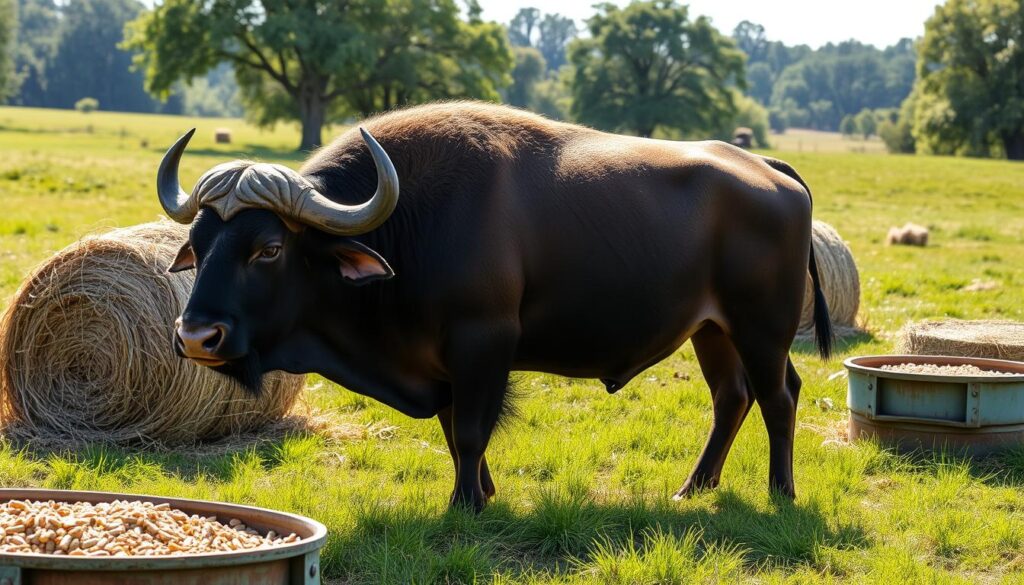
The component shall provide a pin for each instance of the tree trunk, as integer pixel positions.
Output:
(1014, 145)
(313, 114)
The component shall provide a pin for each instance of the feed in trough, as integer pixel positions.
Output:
(940, 370)
(121, 528)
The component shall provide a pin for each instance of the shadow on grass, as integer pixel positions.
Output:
(566, 528)
(1001, 468)
(219, 461)
(845, 342)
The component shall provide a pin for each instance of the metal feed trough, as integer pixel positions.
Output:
(974, 415)
(296, 563)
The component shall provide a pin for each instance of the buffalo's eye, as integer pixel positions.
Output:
(270, 252)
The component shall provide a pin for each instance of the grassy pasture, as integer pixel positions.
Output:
(585, 480)
(817, 141)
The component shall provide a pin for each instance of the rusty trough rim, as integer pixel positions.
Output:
(313, 535)
(871, 364)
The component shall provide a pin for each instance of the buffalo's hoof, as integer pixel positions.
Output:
(694, 486)
(489, 490)
(785, 492)
(473, 503)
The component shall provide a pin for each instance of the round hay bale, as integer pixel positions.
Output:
(986, 339)
(222, 136)
(86, 355)
(840, 281)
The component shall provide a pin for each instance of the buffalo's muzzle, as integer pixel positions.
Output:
(200, 342)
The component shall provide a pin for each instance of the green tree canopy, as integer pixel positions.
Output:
(529, 71)
(315, 60)
(8, 30)
(556, 32)
(849, 125)
(867, 124)
(550, 34)
(522, 27)
(88, 62)
(971, 79)
(38, 36)
(649, 65)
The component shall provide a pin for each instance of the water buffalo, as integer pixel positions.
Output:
(514, 243)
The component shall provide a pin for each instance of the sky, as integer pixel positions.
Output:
(811, 22)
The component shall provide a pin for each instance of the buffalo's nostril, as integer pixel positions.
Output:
(212, 342)
(201, 341)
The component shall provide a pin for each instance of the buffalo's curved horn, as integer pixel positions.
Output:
(350, 220)
(178, 205)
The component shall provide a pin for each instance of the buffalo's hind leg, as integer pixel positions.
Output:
(776, 388)
(724, 373)
(479, 357)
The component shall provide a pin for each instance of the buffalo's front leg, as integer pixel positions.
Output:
(445, 418)
(479, 356)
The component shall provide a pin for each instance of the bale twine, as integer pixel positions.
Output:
(986, 339)
(86, 355)
(840, 281)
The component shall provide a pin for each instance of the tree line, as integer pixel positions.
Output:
(650, 68)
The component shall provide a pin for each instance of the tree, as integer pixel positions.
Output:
(971, 79)
(897, 131)
(649, 65)
(88, 61)
(8, 31)
(216, 94)
(87, 105)
(38, 35)
(520, 30)
(751, 39)
(313, 61)
(529, 71)
(849, 125)
(749, 114)
(550, 35)
(556, 31)
(866, 123)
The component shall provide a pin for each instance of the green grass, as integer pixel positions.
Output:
(585, 479)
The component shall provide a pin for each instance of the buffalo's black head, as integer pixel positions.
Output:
(266, 245)
(257, 279)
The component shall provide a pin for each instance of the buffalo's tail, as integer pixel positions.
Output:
(823, 334)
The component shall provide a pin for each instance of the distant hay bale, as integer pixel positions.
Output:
(986, 339)
(86, 355)
(222, 136)
(743, 137)
(840, 281)
(910, 234)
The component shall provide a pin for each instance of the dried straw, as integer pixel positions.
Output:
(840, 281)
(85, 351)
(985, 339)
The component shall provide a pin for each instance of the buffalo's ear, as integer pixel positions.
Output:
(360, 264)
(185, 260)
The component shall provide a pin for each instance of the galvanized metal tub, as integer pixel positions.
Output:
(973, 415)
(295, 563)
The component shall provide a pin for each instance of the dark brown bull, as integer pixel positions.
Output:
(516, 243)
